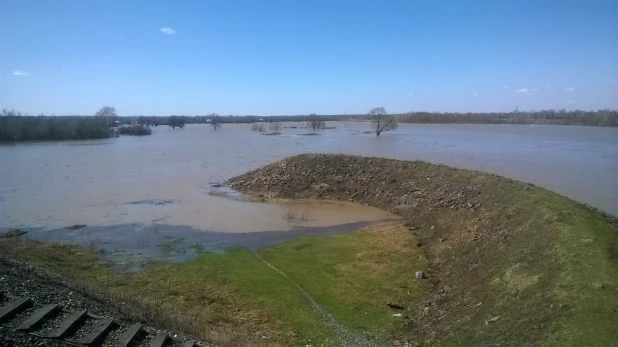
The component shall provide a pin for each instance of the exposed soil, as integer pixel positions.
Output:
(485, 237)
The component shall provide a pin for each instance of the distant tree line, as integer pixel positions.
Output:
(177, 120)
(557, 117)
(15, 126)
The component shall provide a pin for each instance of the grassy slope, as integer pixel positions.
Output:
(232, 298)
(588, 285)
(355, 275)
(510, 263)
(352, 275)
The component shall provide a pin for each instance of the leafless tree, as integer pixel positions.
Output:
(315, 122)
(275, 126)
(176, 121)
(258, 127)
(215, 121)
(382, 121)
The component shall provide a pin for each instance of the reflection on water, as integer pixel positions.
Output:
(57, 184)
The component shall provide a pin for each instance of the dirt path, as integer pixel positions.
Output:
(347, 337)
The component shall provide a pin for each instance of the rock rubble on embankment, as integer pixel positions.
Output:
(491, 242)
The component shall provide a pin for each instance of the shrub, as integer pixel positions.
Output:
(134, 129)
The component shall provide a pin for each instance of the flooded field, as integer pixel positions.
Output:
(170, 178)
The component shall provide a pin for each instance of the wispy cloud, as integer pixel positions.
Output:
(506, 87)
(19, 73)
(569, 90)
(168, 31)
(527, 91)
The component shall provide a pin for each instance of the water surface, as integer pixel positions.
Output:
(167, 177)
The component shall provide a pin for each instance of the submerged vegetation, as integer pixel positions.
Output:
(134, 129)
(314, 121)
(15, 126)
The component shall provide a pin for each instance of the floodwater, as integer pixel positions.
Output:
(168, 178)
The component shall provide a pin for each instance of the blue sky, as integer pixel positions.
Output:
(296, 57)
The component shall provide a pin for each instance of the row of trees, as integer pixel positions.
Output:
(15, 126)
(316, 122)
(558, 117)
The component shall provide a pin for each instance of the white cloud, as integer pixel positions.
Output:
(568, 90)
(527, 91)
(168, 31)
(19, 73)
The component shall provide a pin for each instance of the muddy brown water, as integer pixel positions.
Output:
(167, 179)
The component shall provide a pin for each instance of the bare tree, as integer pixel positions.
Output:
(275, 126)
(315, 122)
(176, 121)
(215, 121)
(382, 121)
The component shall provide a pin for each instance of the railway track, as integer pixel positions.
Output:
(51, 324)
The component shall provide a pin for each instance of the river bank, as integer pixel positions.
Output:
(478, 259)
(499, 251)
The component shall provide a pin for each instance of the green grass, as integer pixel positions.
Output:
(588, 285)
(198, 248)
(355, 275)
(238, 283)
(171, 244)
(232, 298)
(352, 275)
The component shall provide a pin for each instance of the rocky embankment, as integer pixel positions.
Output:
(19, 280)
(399, 186)
(472, 227)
